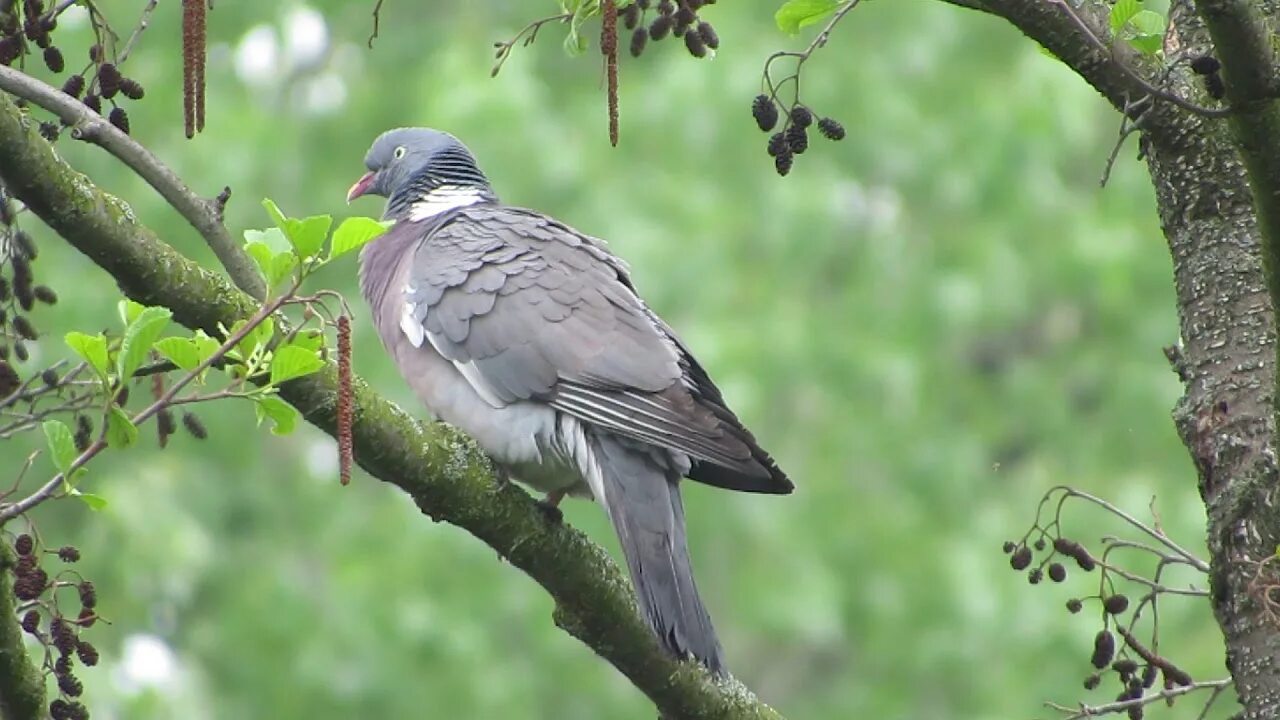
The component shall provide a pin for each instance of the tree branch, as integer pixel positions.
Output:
(204, 215)
(1242, 40)
(21, 683)
(444, 473)
(1070, 33)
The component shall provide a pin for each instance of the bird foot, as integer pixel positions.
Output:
(501, 477)
(550, 507)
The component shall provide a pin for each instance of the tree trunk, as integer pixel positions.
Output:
(1216, 180)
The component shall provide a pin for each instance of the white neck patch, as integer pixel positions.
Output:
(445, 197)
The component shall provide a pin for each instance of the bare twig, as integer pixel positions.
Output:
(143, 23)
(528, 34)
(10, 511)
(819, 41)
(1132, 74)
(1156, 535)
(377, 18)
(1088, 711)
(91, 127)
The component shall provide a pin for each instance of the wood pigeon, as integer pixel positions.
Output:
(529, 336)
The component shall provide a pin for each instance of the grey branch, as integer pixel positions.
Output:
(442, 471)
(204, 215)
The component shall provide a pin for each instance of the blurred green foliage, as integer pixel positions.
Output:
(929, 324)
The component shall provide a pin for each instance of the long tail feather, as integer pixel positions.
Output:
(643, 500)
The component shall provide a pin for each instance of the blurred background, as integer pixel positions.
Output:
(929, 324)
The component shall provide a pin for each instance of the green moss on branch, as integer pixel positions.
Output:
(21, 683)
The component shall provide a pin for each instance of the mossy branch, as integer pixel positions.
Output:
(444, 473)
(21, 683)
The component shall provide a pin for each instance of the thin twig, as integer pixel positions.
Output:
(91, 127)
(1087, 711)
(377, 17)
(1132, 74)
(143, 23)
(1163, 539)
(819, 40)
(528, 33)
(8, 512)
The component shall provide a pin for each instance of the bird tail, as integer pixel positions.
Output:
(643, 501)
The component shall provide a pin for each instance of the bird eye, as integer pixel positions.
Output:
(399, 153)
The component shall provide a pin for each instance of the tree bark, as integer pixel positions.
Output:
(1211, 176)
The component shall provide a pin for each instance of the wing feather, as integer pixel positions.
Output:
(529, 309)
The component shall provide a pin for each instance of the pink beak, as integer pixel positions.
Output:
(361, 187)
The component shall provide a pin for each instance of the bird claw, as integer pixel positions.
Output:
(550, 507)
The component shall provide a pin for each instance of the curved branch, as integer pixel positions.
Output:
(444, 473)
(1068, 32)
(204, 215)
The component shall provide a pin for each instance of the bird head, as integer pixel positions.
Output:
(407, 164)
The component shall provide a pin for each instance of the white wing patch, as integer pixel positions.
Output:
(471, 373)
(445, 197)
(411, 327)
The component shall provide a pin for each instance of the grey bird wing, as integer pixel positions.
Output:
(529, 309)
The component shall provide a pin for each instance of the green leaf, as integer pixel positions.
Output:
(283, 416)
(307, 235)
(139, 337)
(121, 432)
(180, 351)
(274, 264)
(129, 311)
(292, 362)
(92, 349)
(95, 502)
(311, 339)
(274, 238)
(1148, 29)
(575, 43)
(353, 233)
(259, 336)
(1121, 12)
(797, 14)
(205, 345)
(273, 210)
(62, 447)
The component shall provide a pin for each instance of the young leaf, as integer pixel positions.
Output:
(95, 502)
(1121, 12)
(795, 15)
(1148, 28)
(353, 233)
(205, 346)
(292, 362)
(274, 238)
(62, 447)
(273, 210)
(121, 432)
(307, 235)
(275, 265)
(575, 43)
(283, 416)
(180, 351)
(139, 337)
(129, 311)
(282, 266)
(310, 339)
(92, 349)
